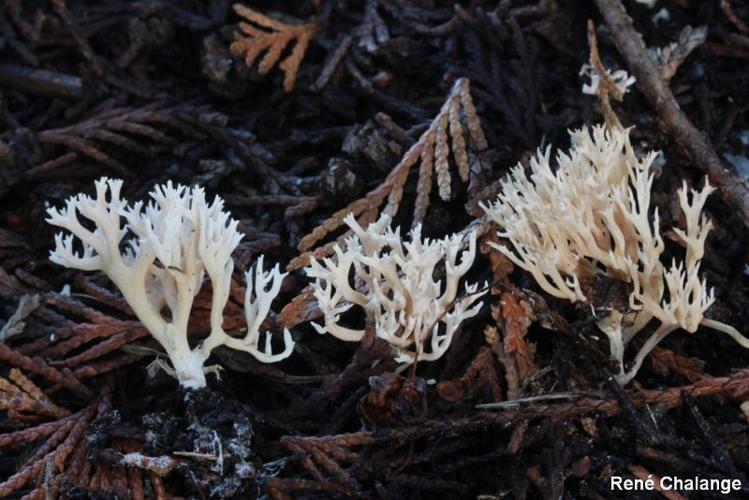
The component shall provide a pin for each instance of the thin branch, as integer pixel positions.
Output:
(697, 146)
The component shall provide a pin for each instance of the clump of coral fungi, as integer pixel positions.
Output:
(394, 282)
(592, 216)
(169, 246)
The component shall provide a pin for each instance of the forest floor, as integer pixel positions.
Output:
(150, 91)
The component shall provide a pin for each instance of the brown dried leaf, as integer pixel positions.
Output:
(300, 309)
(500, 265)
(516, 320)
(480, 375)
(492, 337)
(664, 360)
(451, 390)
(393, 399)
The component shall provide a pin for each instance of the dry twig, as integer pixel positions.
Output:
(650, 82)
(606, 88)
(725, 6)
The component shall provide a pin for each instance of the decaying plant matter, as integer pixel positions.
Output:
(21, 397)
(604, 83)
(592, 216)
(62, 455)
(336, 465)
(272, 37)
(139, 131)
(446, 134)
(656, 89)
(400, 295)
(177, 239)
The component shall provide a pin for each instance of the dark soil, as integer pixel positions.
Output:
(148, 91)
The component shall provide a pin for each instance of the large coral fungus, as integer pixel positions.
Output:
(158, 260)
(592, 216)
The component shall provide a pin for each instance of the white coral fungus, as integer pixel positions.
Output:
(592, 216)
(394, 282)
(620, 78)
(158, 260)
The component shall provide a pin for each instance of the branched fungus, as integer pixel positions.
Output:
(158, 260)
(394, 282)
(591, 216)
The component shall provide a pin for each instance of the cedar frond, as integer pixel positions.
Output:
(272, 37)
(447, 134)
(62, 453)
(24, 400)
(131, 130)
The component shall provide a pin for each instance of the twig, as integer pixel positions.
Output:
(735, 386)
(336, 463)
(40, 81)
(725, 6)
(16, 323)
(84, 46)
(701, 153)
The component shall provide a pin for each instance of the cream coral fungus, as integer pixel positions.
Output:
(394, 282)
(158, 260)
(620, 78)
(591, 216)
